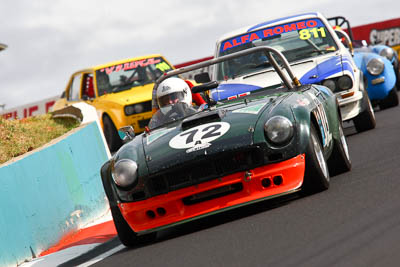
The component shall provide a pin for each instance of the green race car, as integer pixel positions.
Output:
(258, 145)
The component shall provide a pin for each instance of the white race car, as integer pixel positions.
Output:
(315, 53)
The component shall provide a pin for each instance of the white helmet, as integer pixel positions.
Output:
(171, 91)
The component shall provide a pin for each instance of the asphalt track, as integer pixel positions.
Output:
(354, 223)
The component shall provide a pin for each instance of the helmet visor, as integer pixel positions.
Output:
(169, 99)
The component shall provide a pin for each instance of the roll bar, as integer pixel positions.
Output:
(340, 21)
(265, 49)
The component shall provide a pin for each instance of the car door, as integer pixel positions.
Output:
(74, 89)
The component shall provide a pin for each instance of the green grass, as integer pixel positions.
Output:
(20, 136)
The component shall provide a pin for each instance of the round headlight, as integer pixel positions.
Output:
(278, 130)
(138, 108)
(345, 82)
(129, 110)
(375, 66)
(387, 53)
(330, 84)
(125, 173)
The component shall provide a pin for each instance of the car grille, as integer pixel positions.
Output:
(146, 106)
(204, 170)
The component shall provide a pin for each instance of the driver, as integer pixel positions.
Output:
(174, 99)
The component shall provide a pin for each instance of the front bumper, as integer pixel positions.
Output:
(350, 106)
(215, 196)
(379, 87)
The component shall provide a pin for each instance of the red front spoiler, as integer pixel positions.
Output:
(214, 196)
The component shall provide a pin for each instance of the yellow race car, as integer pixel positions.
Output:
(121, 92)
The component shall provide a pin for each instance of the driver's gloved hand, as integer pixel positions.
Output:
(212, 102)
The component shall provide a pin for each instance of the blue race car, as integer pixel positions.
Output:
(390, 54)
(378, 64)
(380, 76)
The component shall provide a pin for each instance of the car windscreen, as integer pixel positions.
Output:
(124, 76)
(297, 41)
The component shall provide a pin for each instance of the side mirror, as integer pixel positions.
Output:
(203, 77)
(126, 133)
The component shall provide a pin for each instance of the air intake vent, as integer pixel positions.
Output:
(202, 118)
(203, 170)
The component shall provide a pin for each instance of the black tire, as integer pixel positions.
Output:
(125, 233)
(111, 134)
(366, 119)
(397, 71)
(316, 176)
(391, 100)
(339, 161)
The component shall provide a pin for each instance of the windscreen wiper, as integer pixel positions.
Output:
(316, 48)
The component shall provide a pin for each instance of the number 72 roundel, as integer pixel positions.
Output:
(199, 136)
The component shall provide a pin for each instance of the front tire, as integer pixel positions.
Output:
(316, 177)
(391, 100)
(366, 119)
(125, 233)
(111, 134)
(339, 161)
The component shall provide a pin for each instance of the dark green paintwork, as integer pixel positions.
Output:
(297, 105)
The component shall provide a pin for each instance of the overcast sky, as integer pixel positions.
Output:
(49, 40)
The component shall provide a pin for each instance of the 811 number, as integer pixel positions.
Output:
(316, 32)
